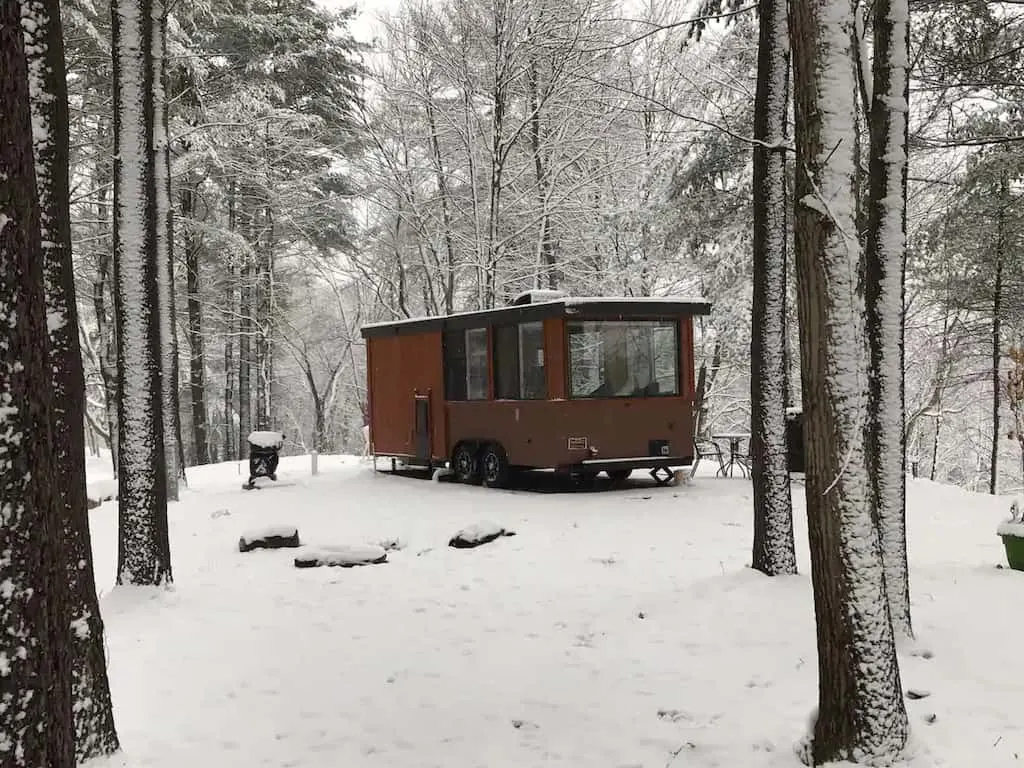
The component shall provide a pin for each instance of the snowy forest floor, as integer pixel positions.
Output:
(617, 628)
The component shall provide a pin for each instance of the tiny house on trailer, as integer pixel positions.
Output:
(579, 385)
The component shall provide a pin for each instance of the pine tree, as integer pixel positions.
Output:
(884, 277)
(774, 551)
(861, 715)
(93, 716)
(35, 683)
(143, 545)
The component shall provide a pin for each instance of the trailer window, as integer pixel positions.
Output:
(611, 358)
(476, 364)
(465, 364)
(519, 362)
(532, 384)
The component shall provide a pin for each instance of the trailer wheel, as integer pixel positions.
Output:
(619, 476)
(465, 465)
(584, 479)
(494, 466)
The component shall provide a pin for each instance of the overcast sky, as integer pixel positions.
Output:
(363, 24)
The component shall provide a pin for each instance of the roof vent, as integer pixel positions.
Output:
(536, 295)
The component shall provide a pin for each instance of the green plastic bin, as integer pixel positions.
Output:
(1014, 551)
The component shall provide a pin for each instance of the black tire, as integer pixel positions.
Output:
(465, 464)
(494, 466)
(619, 476)
(584, 480)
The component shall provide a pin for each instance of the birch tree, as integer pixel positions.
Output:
(774, 551)
(861, 715)
(35, 680)
(143, 545)
(884, 277)
(93, 716)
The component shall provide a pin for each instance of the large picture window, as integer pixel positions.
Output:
(465, 364)
(519, 362)
(611, 358)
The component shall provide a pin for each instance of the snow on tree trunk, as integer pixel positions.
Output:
(94, 730)
(861, 715)
(885, 268)
(244, 352)
(143, 546)
(774, 552)
(997, 329)
(165, 248)
(35, 663)
(197, 347)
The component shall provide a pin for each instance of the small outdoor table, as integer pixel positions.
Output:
(736, 457)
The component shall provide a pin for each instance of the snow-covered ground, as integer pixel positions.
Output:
(618, 628)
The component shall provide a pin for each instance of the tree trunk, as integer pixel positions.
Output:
(546, 259)
(885, 268)
(35, 685)
(263, 310)
(230, 371)
(774, 551)
(861, 715)
(197, 356)
(706, 376)
(997, 329)
(105, 330)
(446, 216)
(93, 716)
(499, 93)
(319, 426)
(231, 302)
(244, 359)
(165, 251)
(143, 545)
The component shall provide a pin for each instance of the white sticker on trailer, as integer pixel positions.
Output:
(577, 443)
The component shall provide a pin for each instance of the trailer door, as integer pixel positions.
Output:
(421, 439)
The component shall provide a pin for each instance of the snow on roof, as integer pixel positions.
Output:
(564, 302)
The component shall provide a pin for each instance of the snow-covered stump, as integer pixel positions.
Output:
(476, 534)
(344, 556)
(272, 537)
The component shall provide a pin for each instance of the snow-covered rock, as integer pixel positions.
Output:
(344, 556)
(266, 439)
(100, 491)
(476, 534)
(269, 537)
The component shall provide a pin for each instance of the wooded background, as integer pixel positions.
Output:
(476, 149)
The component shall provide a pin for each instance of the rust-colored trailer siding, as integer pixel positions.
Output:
(536, 432)
(398, 369)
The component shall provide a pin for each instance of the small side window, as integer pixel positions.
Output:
(476, 364)
(532, 382)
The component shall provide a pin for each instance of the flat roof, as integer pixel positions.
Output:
(591, 308)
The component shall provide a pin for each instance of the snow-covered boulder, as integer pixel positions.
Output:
(266, 439)
(269, 537)
(476, 534)
(100, 491)
(344, 556)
